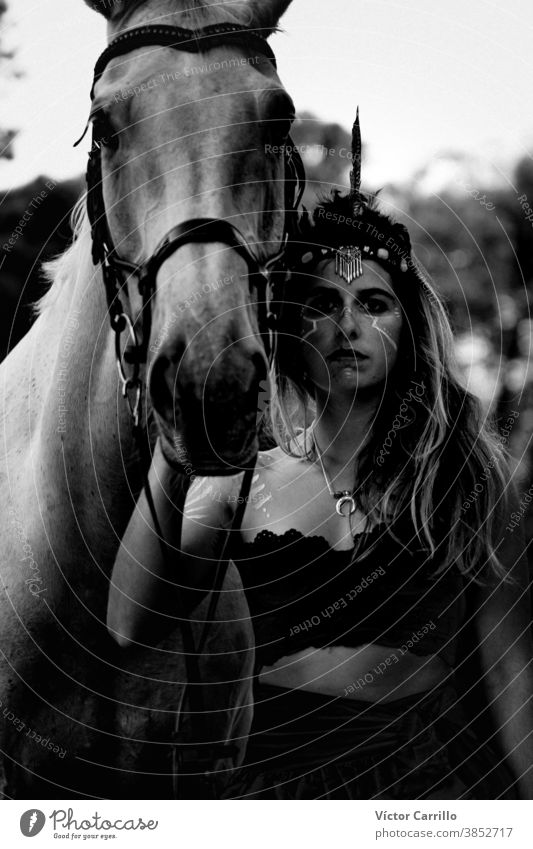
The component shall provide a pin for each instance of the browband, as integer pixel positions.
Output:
(179, 38)
(348, 258)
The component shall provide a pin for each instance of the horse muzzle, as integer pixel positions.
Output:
(207, 416)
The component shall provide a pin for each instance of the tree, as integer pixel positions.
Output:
(6, 57)
(326, 152)
(523, 206)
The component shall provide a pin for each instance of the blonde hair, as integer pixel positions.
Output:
(441, 453)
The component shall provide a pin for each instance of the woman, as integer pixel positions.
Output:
(363, 567)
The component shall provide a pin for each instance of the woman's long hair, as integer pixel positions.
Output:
(431, 458)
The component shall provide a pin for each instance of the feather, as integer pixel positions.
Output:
(355, 173)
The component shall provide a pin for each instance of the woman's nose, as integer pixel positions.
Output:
(350, 324)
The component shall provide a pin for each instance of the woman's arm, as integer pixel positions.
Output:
(145, 583)
(503, 624)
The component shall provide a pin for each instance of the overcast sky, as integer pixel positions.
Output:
(430, 76)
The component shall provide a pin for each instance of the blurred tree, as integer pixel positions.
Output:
(326, 152)
(6, 135)
(465, 247)
(517, 377)
(523, 179)
(44, 234)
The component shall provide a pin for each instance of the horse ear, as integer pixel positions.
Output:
(266, 13)
(98, 7)
(105, 7)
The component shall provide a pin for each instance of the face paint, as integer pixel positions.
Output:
(258, 498)
(381, 330)
(200, 492)
(314, 328)
(372, 333)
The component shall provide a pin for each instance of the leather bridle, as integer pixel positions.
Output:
(195, 759)
(115, 268)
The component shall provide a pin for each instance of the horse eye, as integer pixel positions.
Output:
(103, 132)
(279, 114)
(281, 127)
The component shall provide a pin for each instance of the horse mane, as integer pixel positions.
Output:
(72, 268)
(198, 12)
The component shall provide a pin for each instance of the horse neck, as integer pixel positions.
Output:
(85, 431)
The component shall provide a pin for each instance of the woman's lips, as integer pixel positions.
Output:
(349, 356)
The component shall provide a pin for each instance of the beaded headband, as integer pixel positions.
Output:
(349, 259)
(367, 245)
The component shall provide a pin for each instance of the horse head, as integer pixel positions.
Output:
(184, 135)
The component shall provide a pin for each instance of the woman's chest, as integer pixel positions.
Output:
(301, 593)
(291, 494)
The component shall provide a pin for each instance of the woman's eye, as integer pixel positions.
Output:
(327, 304)
(322, 306)
(375, 305)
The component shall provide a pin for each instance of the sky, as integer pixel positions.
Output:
(431, 77)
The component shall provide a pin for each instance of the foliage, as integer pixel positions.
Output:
(325, 150)
(45, 234)
(6, 135)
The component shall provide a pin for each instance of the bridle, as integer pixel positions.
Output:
(195, 759)
(115, 268)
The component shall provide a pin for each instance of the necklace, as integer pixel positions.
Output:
(344, 496)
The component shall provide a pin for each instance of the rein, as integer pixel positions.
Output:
(196, 760)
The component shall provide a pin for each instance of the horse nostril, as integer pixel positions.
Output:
(162, 387)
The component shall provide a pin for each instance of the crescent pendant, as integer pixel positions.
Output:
(342, 501)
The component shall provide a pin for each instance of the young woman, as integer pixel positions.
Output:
(372, 547)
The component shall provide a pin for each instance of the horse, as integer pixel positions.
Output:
(184, 196)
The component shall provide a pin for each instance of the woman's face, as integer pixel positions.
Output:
(350, 331)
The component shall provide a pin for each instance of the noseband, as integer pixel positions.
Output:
(198, 758)
(196, 230)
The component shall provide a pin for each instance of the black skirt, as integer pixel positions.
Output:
(305, 745)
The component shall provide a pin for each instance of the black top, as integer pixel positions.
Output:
(303, 593)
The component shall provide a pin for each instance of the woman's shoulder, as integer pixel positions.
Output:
(225, 489)
(272, 467)
(277, 463)
(272, 458)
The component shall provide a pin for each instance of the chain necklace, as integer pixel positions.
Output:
(344, 496)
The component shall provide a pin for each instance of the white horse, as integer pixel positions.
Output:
(182, 135)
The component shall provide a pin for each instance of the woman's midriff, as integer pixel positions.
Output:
(367, 673)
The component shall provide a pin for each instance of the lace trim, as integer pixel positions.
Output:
(293, 534)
